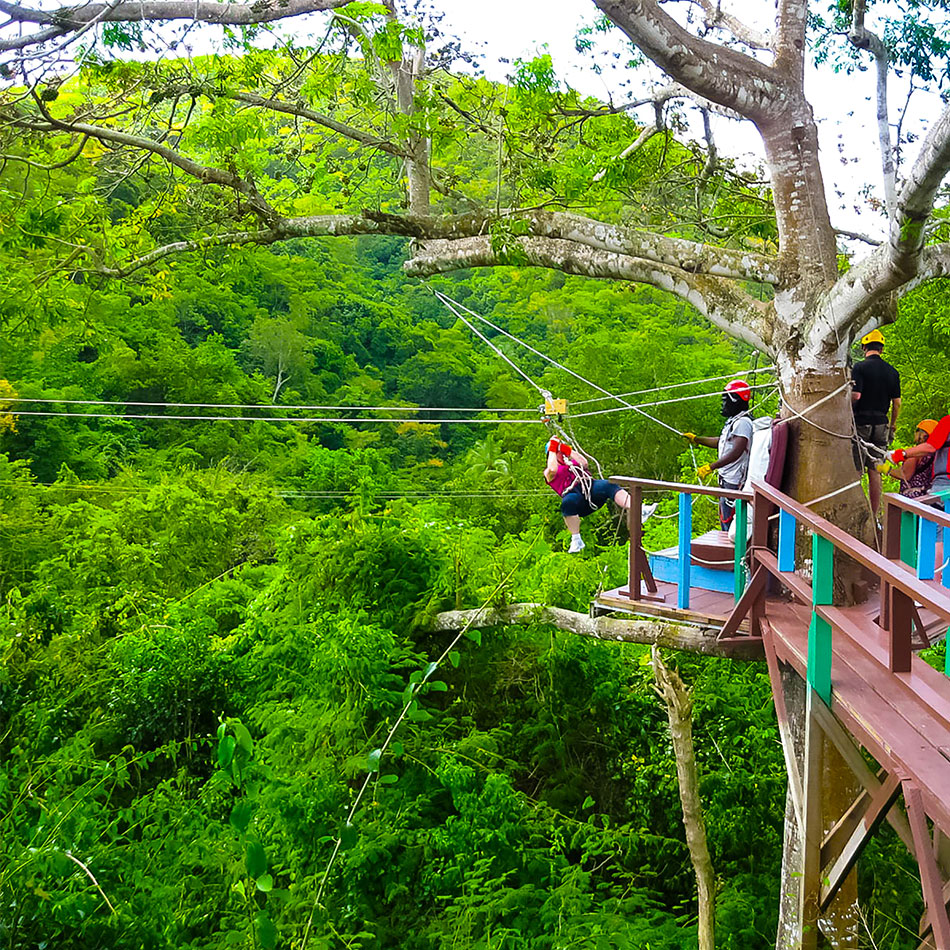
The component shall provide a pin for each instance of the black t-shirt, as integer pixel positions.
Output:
(878, 383)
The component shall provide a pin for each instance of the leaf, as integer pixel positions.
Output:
(455, 658)
(372, 760)
(241, 815)
(440, 686)
(226, 751)
(389, 779)
(588, 802)
(243, 737)
(397, 749)
(348, 836)
(475, 636)
(255, 860)
(266, 931)
(265, 883)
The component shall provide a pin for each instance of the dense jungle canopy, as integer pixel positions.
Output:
(209, 627)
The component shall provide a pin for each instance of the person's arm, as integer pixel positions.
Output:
(710, 441)
(577, 457)
(908, 469)
(895, 412)
(739, 446)
(935, 441)
(550, 470)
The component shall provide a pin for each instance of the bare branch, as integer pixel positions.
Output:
(296, 109)
(202, 11)
(858, 236)
(717, 18)
(862, 38)
(203, 173)
(662, 632)
(724, 304)
(722, 75)
(48, 168)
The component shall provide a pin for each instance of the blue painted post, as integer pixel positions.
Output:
(742, 516)
(819, 632)
(786, 540)
(926, 549)
(685, 549)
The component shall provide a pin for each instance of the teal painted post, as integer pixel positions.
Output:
(946, 658)
(742, 517)
(909, 538)
(926, 549)
(685, 549)
(819, 631)
(786, 540)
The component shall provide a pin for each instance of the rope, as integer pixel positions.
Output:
(659, 402)
(658, 389)
(484, 339)
(449, 304)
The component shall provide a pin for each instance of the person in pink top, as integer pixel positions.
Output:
(568, 474)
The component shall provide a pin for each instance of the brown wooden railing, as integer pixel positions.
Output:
(640, 573)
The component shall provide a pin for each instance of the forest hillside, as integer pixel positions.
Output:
(209, 626)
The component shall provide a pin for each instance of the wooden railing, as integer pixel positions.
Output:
(901, 590)
(640, 573)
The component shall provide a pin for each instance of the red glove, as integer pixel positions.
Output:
(553, 445)
(898, 456)
(566, 450)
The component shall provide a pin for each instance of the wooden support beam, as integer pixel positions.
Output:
(930, 881)
(864, 817)
(809, 895)
(784, 729)
(753, 593)
(849, 751)
(900, 626)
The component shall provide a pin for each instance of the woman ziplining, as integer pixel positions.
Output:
(568, 475)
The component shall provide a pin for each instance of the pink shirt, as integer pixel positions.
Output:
(565, 476)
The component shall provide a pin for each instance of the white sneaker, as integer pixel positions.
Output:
(577, 544)
(646, 511)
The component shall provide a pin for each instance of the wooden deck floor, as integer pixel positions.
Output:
(896, 716)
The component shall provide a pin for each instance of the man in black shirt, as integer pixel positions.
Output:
(876, 398)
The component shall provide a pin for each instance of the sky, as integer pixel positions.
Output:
(843, 104)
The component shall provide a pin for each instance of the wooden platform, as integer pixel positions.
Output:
(896, 716)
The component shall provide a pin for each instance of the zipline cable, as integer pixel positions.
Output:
(448, 302)
(227, 405)
(305, 419)
(657, 389)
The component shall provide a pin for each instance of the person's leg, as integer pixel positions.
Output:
(573, 506)
(622, 499)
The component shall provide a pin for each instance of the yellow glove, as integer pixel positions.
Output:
(689, 436)
(704, 470)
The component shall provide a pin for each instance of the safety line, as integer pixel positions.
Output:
(448, 303)
(485, 339)
(658, 402)
(227, 405)
(177, 418)
(657, 389)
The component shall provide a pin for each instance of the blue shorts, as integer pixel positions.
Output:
(575, 501)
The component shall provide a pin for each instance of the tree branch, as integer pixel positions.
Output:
(664, 633)
(862, 38)
(722, 75)
(717, 18)
(725, 305)
(203, 11)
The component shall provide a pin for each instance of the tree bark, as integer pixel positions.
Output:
(679, 711)
(661, 632)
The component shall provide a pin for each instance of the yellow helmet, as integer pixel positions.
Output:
(875, 336)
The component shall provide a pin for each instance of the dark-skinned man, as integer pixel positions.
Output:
(733, 445)
(876, 401)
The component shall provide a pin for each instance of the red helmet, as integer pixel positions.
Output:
(739, 389)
